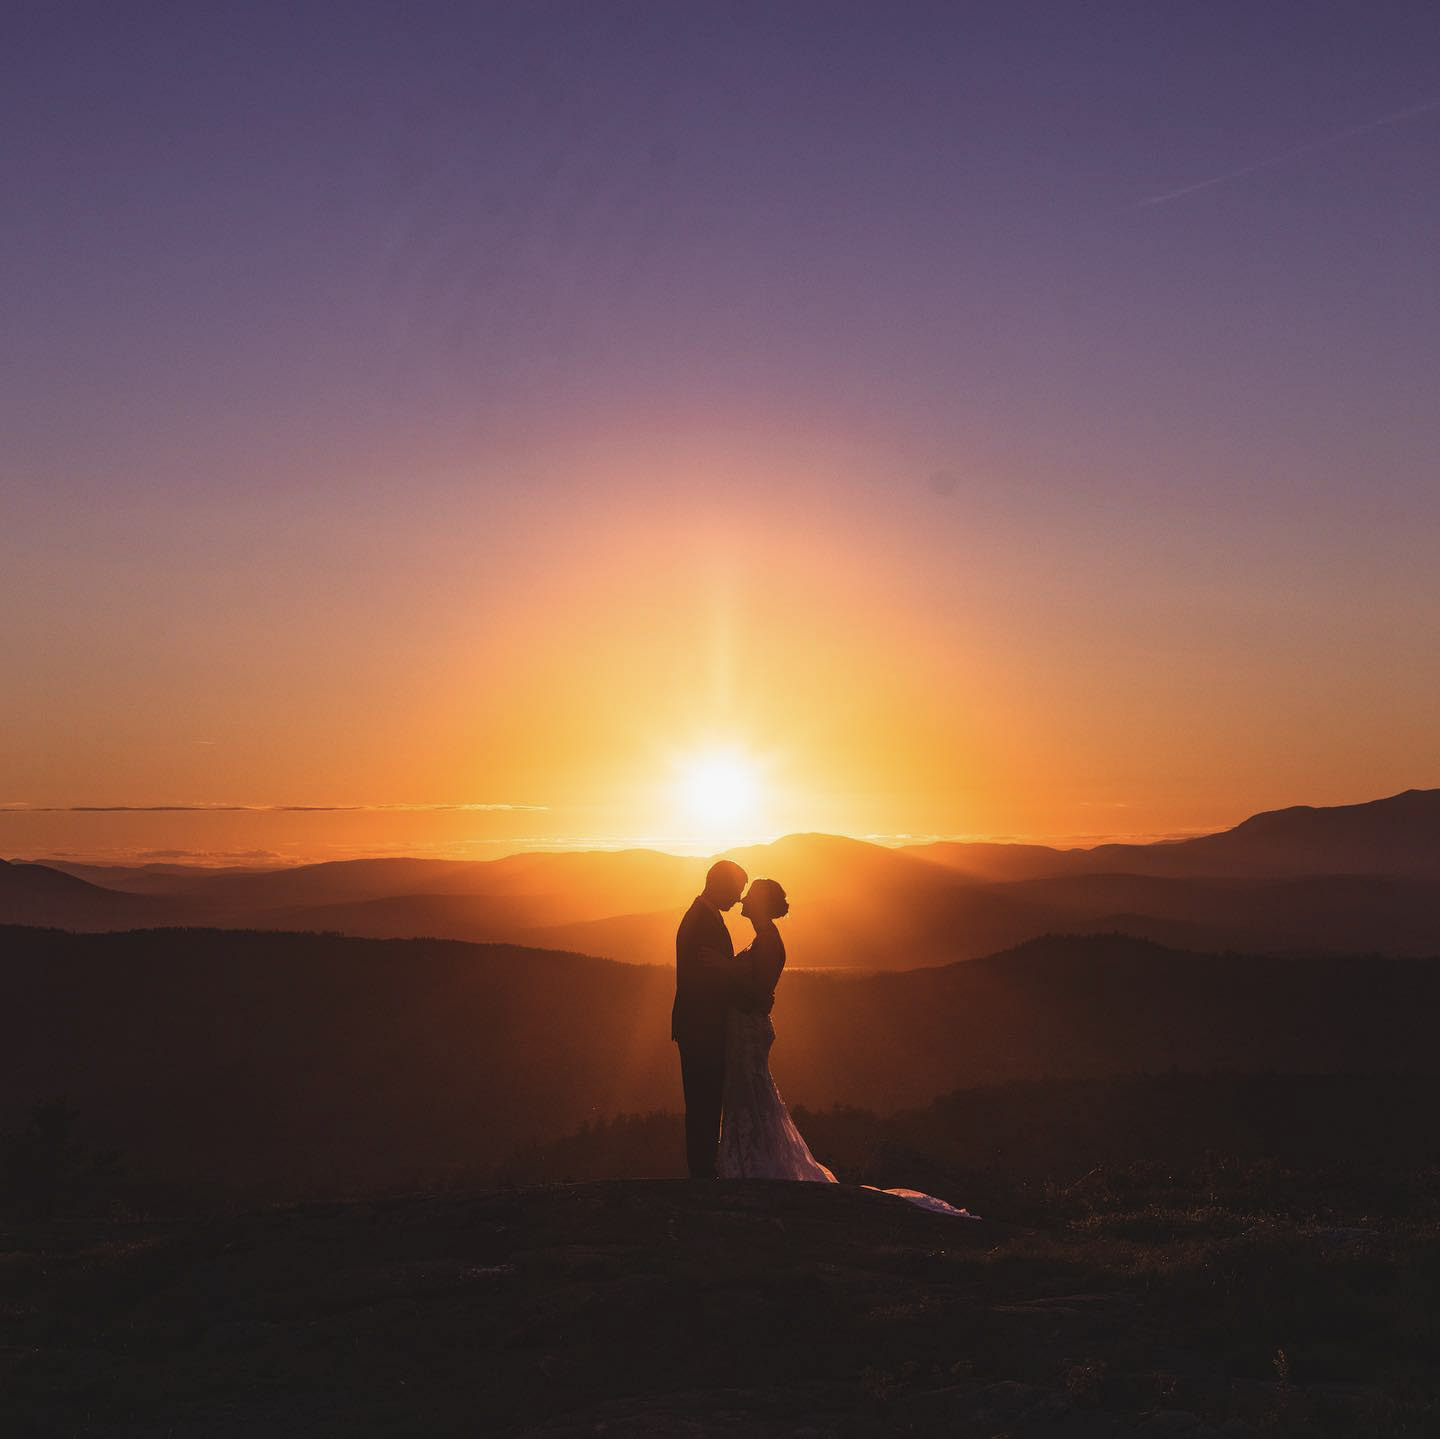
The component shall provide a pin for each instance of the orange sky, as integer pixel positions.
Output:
(889, 660)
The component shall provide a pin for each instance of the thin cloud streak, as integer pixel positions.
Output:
(266, 808)
(1294, 152)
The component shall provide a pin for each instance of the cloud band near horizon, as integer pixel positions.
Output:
(22, 808)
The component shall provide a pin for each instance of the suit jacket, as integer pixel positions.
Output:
(704, 987)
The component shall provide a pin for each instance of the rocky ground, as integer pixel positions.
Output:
(661, 1307)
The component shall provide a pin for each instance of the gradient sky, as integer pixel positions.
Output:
(430, 405)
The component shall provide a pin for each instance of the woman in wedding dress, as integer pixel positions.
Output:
(758, 1138)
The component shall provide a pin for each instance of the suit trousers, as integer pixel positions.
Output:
(702, 1073)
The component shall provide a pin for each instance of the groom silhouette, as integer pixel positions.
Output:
(704, 985)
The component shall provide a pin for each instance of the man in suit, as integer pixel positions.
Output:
(705, 984)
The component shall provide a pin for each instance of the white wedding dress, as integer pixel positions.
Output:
(758, 1138)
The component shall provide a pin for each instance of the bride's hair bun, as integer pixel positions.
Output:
(776, 902)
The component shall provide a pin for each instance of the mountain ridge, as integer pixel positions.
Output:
(1304, 879)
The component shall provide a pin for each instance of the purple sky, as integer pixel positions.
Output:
(280, 279)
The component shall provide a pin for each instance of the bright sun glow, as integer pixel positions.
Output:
(717, 790)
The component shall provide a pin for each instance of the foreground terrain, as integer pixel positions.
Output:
(661, 1307)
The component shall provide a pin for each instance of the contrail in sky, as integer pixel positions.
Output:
(1423, 108)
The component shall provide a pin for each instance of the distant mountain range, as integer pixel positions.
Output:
(1348, 879)
(42, 894)
(1398, 836)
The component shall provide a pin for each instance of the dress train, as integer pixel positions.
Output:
(758, 1138)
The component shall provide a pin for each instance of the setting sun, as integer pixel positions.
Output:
(717, 789)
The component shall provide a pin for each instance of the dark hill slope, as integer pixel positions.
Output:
(1399, 835)
(562, 887)
(277, 1058)
(938, 924)
(923, 917)
(301, 1060)
(1329, 914)
(37, 894)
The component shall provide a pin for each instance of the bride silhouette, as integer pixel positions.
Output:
(758, 1138)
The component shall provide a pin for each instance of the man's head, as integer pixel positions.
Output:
(725, 883)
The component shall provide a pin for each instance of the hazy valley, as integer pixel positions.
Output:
(1358, 878)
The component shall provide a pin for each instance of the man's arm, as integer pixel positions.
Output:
(713, 958)
(728, 972)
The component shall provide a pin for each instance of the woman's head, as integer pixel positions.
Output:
(764, 900)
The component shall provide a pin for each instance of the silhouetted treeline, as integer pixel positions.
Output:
(1306, 1145)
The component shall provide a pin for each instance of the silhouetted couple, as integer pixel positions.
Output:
(736, 1124)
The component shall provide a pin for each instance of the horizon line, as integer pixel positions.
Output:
(453, 852)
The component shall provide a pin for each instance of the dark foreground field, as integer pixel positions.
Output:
(655, 1307)
(1211, 1189)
